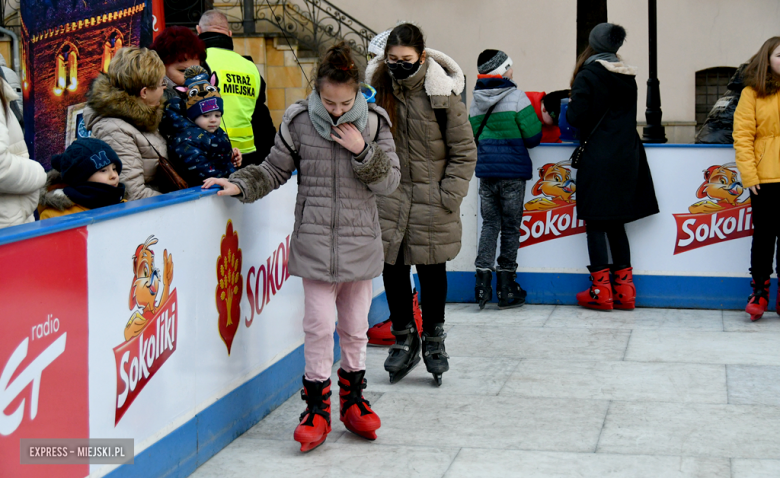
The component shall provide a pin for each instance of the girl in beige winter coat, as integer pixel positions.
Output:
(20, 177)
(420, 88)
(336, 245)
(124, 110)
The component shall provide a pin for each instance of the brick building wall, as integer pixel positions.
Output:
(47, 116)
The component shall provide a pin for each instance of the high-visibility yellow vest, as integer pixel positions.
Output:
(239, 85)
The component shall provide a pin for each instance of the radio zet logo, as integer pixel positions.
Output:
(554, 214)
(723, 214)
(150, 334)
(31, 374)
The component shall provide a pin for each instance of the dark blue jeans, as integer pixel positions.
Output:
(502, 211)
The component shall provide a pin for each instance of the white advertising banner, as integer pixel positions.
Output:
(703, 228)
(186, 303)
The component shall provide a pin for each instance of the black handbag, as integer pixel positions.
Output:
(579, 151)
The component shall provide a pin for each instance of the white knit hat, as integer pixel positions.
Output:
(379, 42)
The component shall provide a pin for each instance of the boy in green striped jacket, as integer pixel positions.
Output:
(505, 126)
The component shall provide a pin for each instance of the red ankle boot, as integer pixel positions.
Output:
(623, 289)
(599, 295)
(759, 299)
(315, 420)
(356, 412)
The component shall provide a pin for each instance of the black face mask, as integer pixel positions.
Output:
(403, 69)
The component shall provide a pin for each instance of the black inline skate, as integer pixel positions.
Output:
(404, 355)
(483, 292)
(510, 294)
(434, 354)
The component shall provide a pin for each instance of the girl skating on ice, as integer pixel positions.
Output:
(336, 245)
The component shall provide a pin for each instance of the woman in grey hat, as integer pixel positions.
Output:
(614, 185)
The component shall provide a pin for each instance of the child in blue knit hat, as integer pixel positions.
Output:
(197, 146)
(84, 177)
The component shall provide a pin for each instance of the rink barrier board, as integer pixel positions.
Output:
(182, 450)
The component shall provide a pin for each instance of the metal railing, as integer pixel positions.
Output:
(313, 24)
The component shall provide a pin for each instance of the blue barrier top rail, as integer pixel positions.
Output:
(72, 221)
(51, 226)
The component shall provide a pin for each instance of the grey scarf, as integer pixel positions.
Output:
(610, 57)
(323, 123)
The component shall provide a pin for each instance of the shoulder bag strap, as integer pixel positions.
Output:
(484, 122)
(595, 127)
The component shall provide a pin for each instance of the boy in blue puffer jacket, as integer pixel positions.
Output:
(198, 148)
(505, 126)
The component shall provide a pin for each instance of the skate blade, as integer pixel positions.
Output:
(309, 446)
(395, 377)
(368, 435)
(482, 304)
(755, 317)
(606, 307)
(505, 307)
(437, 379)
(617, 306)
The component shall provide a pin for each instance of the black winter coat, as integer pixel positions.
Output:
(613, 179)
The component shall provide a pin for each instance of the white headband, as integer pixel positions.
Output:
(503, 68)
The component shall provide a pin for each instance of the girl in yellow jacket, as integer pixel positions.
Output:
(757, 142)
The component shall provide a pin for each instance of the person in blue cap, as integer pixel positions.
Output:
(84, 177)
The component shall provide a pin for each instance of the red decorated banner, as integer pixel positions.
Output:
(138, 359)
(699, 230)
(44, 390)
(541, 226)
(158, 17)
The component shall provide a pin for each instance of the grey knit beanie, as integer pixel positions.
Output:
(493, 62)
(607, 37)
(378, 43)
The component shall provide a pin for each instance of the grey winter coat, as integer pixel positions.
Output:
(336, 237)
(424, 212)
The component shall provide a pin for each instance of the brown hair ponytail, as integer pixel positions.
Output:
(404, 34)
(337, 66)
(586, 53)
(758, 72)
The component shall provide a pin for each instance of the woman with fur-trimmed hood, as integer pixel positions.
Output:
(420, 89)
(614, 184)
(124, 110)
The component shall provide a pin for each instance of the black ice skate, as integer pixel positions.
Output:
(434, 354)
(483, 292)
(404, 355)
(510, 294)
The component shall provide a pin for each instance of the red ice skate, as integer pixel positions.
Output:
(623, 289)
(356, 412)
(381, 333)
(599, 295)
(758, 300)
(315, 420)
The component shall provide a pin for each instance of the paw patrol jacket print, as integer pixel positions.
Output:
(194, 152)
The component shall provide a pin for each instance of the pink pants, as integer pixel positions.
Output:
(353, 299)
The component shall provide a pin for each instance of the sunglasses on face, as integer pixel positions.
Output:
(394, 65)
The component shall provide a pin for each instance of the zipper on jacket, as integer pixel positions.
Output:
(334, 214)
